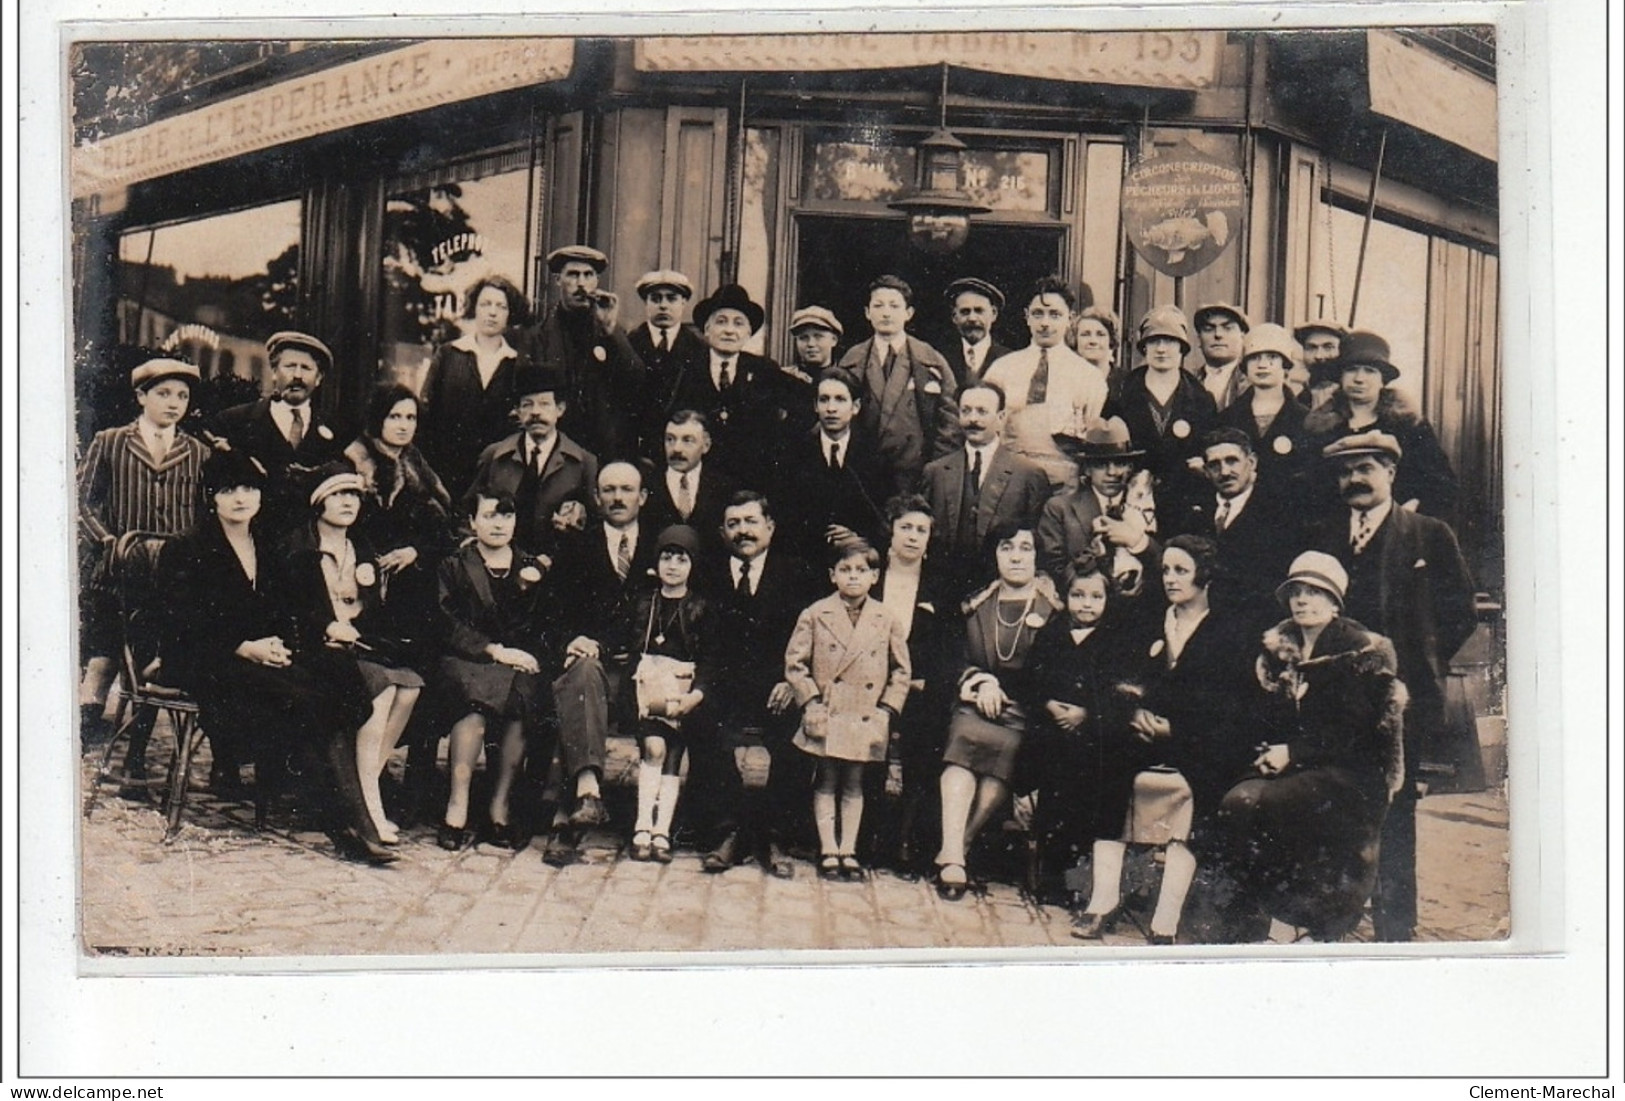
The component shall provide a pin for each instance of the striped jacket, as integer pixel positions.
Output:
(122, 488)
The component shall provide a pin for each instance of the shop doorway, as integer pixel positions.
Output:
(838, 257)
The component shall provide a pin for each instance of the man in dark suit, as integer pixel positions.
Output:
(284, 431)
(747, 400)
(601, 377)
(1407, 580)
(758, 591)
(686, 491)
(1104, 515)
(974, 488)
(973, 305)
(666, 347)
(1258, 532)
(593, 572)
(549, 475)
(833, 488)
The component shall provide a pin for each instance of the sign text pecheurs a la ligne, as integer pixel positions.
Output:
(1182, 207)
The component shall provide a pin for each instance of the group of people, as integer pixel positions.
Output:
(923, 589)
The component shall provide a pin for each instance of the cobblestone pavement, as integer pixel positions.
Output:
(219, 889)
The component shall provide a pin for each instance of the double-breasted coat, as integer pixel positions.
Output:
(854, 670)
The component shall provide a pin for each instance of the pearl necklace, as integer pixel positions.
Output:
(1015, 642)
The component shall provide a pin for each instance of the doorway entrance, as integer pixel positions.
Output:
(838, 257)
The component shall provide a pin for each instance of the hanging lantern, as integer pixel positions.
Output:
(938, 211)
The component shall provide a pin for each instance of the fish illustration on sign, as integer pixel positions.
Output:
(1181, 207)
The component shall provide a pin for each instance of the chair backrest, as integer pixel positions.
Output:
(134, 572)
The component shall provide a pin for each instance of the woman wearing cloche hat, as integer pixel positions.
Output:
(1299, 839)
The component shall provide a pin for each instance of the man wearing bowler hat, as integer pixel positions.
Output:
(1102, 515)
(745, 397)
(550, 476)
(601, 377)
(1408, 581)
(1367, 401)
(973, 306)
(285, 431)
(1220, 328)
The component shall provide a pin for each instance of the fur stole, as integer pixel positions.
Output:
(1394, 411)
(387, 477)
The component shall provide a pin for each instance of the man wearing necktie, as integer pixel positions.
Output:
(1102, 516)
(1049, 388)
(908, 388)
(690, 489)
(832, 489)
(1408, 581)
(667, 347)
(977, 487)
(595, 571)
(973, 306)
(284, 431)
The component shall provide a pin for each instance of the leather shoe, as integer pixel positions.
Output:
(353, 846)
(452, 838)
(590, 811)
(1159, 938)
(1094, 926)
(560, 851)
(779, 864)
(721, 858)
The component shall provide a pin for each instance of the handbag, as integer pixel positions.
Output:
(660, 679)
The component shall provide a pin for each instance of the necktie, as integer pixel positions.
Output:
(891, 360)
(1363, 531)
(685, 495)
(296, 430)
(966, 535)
(726, 375)
(976, 471)
(834, 456)
(623, 556)
(665, 340)
(536, 460)
(1221, 518)
(743, 588)
(1039, 388)
(971, 370)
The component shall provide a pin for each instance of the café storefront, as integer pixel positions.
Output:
(355, 189)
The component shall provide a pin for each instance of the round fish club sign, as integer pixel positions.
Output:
(1183, 207)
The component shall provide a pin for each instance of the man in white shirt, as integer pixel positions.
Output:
(1048, 387)
(689, 490)
(1219, 329)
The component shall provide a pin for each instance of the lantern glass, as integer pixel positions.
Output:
(938, 233)
(942, 169)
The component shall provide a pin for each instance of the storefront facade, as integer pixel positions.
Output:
(357, 197)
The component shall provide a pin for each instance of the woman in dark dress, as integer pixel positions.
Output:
(468, 393)
(233, 643)
(1300, 837)
(339, 593)
(987, 727)
(1268, 411)
(1187, 680)
(495, 630)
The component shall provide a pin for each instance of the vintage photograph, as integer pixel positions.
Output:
(1037, 490)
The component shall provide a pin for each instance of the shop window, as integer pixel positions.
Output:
(758, 215)
(212, 289)
(1393, 287)
(1008, 180)
(441, 235)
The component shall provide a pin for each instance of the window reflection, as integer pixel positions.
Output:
(212, 290)
(439, 240)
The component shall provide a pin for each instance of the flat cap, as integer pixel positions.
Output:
(664, 277)
(1204, 312)
(281, 342)
(156, 370)
(1364, 443)
(584, 253)
(816, 317)
(1320, 325)
(975, 286)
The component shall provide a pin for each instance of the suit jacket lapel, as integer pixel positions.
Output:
(994, 482)
(956, 490)
(896, 387)
(474, 566)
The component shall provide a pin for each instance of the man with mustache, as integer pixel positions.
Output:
(758, 591)
(601, 376)
(594, 570)
(687, 490)
(977, 487)
(549, 475)
(1322, 342)
(285, 431)
(1408, 581)
(973, 307)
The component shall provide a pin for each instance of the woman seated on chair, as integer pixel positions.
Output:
(1300, 836)
(1189, 676)
(231, 642)
(495, 630)
(986, 730)
(341, 596)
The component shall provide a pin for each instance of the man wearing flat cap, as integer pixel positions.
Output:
(747, 400)
(285, 431)
(601, 377)
(1367, 401)
(973, 306)
(550, 476)
(1322, 341)
(141, 477)
(1408, 581)
(1220, 328)
(666, 346)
